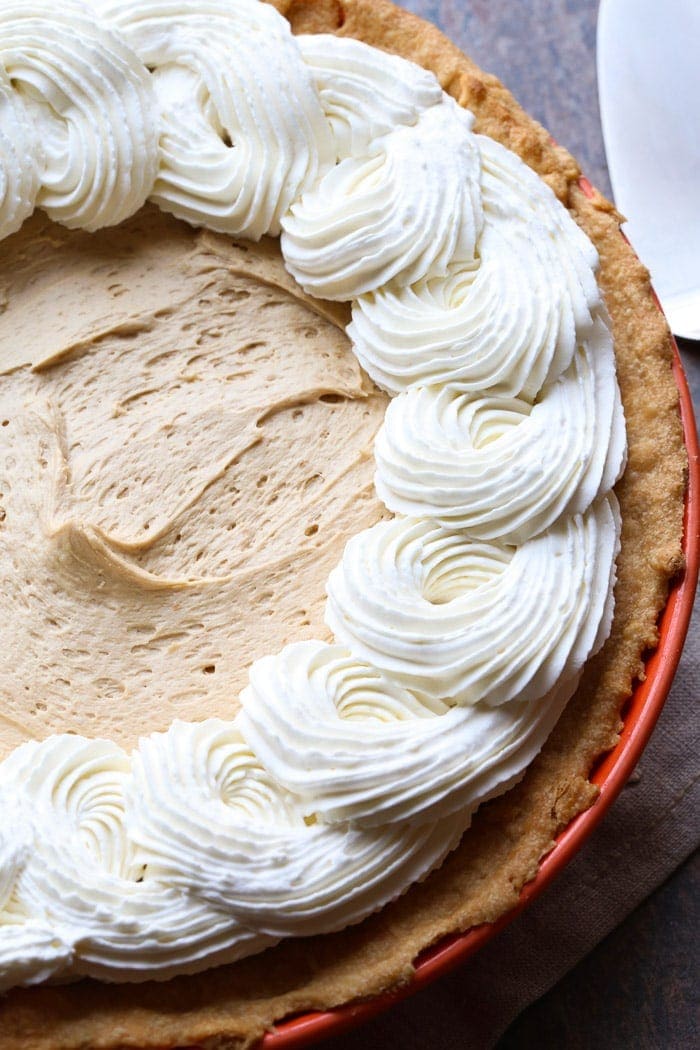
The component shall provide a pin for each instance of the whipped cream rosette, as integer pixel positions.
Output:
(15, 844)
(93, 106)
(510, 320)
(210, 818)
(360, 748)
(513, 191)
(502, 468)
(83, 879)
(31, 952)
(464, 621)
(365, 93)
(463, 626)
(408, 206)
(242, 132)
(31, 948)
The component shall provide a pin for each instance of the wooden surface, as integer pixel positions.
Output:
(639, 988)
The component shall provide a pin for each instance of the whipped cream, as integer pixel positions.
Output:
(424, 605)
(407, 207)
(31, 948)
(242, 132)
(461, 627)
(508, 322)
(209, 818)
(21, 159)
(489, 465)
(31, 952)
(365, 93)
(358, 747)
(93, 107)
(81, 877)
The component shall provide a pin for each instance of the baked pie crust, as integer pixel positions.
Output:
(232, 1005)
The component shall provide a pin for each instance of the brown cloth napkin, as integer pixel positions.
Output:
(650, 829)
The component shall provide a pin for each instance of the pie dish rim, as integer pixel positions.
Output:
(610, 773)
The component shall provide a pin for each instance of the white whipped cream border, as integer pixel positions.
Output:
(353, 769)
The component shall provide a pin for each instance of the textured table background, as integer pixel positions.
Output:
(639, 987)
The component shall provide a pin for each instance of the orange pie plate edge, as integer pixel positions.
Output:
(610, 774)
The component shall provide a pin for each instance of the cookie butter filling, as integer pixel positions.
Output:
(175, 489)
(189, 513)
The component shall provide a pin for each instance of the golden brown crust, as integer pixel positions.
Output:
(231, 1006)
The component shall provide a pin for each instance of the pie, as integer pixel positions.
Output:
(97, 315)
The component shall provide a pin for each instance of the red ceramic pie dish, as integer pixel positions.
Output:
(610, 774)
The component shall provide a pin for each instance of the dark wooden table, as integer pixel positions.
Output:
(639, 988)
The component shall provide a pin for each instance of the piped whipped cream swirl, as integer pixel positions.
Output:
(409, 206)
(80, 876)
(358, 747)
(211, 819)
(508, 321)
(21, 159)
(31, 947)
(502, 468)
(365, 93)
(242, 132)
(93, 107)
(428, 607)
(31, 951)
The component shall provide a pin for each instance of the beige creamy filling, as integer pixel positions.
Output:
(186, 446)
